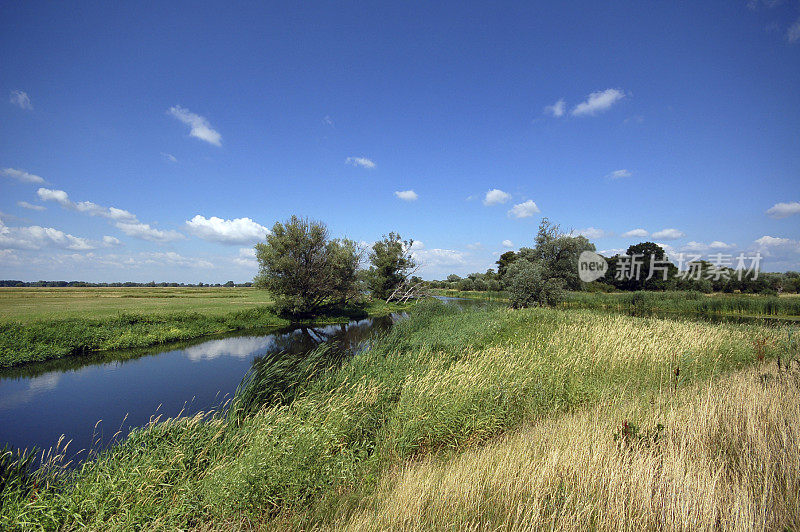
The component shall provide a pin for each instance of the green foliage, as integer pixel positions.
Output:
(528, 286)
(392, 262)
(305, 270)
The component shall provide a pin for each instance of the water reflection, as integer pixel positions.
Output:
(40, 402)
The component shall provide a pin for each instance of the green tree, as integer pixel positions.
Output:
(558, 253)
(653, 267)
(305, 270)
(392, 262)
(504, 262)
(528, 285)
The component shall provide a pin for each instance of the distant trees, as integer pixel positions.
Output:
(392, 263)
(305, 269)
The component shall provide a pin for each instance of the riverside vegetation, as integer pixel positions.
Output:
(445, 422)
(40, 324)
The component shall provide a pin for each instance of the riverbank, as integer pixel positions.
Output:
(57, 323)
(444, 382)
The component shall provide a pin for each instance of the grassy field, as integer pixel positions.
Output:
(451, 395)
(40, 324)
(31, 304)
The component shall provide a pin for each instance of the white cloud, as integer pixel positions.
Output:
(21, 100)
(496, 196)
(508, 243)
(145, 232)
(363, 162)
(611, 252)
(26, 205)
(638, 233)
(778, 248)
(111, 241)
(438, 258)
(21, 175)
(170, 258)
(695, 246)
(598, 102)
(169, 157)
(592, 233)
(406, 195)
(793, 33)
(247, 258)
(557, 109)
(618, 174)
(199, 126)
(92, 209)
(526, 209)
(36, 237)
(716, 244)
(236, 231)
(669, 234)
(771, 241)
(784, 210)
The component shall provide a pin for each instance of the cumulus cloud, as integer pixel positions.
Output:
(21, 100)
(246, 257)
(717, 244)
(669, 234)
(526, 209)
(406, 195)
(146, 232)
(36, 237)
(598, 102)
(199, 126)
(495, 197)
(508, 244)
(612, 252)
(638, 233)
(439, 258)
(591, 233)
(236, 231)
(92, 209)
(784, 210)
(618, 174)
(557, 109)
(21, 175)
(31, 206)
(111, 241)
(363, 162)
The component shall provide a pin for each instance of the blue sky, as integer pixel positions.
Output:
(158, 142)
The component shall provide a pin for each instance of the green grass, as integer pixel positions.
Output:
(45, 324)
(32, 304)
(442, 381)
(688, 303)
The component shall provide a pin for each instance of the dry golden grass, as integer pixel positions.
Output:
(727, 459)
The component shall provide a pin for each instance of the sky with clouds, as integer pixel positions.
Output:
(160, 142)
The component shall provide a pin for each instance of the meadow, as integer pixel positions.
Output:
(460, 403)
(38, 324)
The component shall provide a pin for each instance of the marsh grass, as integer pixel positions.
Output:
(719, 456)
(442, 382)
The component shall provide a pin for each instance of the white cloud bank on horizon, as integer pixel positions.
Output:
(199, 126)
(363, 162)
(496, 197)
(236, 231)
(598, 102)
(784, 210)
(406, 195)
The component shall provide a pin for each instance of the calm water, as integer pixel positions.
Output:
(40, 402)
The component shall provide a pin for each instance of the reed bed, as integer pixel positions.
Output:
(442, 382)
(720, 456)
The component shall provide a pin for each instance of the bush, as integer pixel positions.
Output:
(527, 286)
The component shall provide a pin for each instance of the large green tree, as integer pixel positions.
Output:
(392, 262)
(305, 269)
